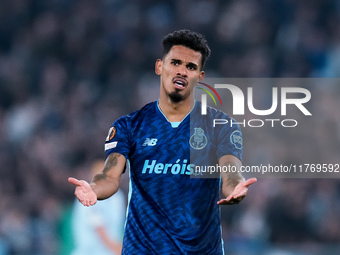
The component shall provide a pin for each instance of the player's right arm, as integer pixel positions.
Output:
(104, 184)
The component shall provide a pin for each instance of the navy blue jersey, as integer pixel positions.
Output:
(170, 212)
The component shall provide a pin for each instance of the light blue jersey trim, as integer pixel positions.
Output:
(222, 241)
(175, 124)
(129, 195)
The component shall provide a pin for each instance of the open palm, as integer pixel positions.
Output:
(84, 192)
(238, 194)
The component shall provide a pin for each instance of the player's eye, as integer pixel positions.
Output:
(175, 63)
(192, 67)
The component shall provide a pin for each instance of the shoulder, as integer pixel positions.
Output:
(124, 126)
(135, 116)
(211, 112)
(219, 120)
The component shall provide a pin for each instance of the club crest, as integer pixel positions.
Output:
(236, 139)
(198, 140)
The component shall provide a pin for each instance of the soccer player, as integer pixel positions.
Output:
(170, 212)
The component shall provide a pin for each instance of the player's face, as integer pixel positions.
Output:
(180, 70)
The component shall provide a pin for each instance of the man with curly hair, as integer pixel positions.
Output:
(169, 211)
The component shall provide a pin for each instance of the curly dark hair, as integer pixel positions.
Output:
(187, 38)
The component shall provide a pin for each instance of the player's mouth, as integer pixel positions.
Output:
(180, 83)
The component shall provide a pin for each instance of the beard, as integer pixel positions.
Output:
(176, 97)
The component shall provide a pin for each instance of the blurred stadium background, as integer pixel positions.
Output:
(69, 68)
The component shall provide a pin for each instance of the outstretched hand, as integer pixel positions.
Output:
(84, 192)
(238, 194)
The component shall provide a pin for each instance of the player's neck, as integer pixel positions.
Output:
(175, 112)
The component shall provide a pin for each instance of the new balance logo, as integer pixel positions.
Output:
(150, 142)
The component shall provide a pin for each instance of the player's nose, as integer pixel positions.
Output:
(182, 71)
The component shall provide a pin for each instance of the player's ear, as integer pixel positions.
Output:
(158, 66)
(201, 77)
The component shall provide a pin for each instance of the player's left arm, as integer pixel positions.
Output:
(234, 186)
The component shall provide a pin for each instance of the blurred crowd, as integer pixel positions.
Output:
(69, 68)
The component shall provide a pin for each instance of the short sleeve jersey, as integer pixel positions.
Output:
(170, 212)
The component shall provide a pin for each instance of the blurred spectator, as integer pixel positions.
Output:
(99, 229)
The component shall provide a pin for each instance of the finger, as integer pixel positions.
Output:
(222, 202)
(225, 202)
(229, 197)
(81, 201)
(243, 193)
(249, 182)
(74, 181)
(80, 198)
(239, 197)
(94, 201)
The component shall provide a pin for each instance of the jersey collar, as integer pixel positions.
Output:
(159, 110)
